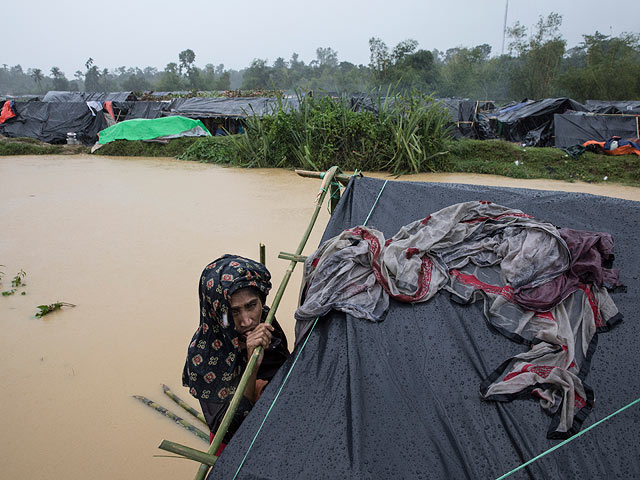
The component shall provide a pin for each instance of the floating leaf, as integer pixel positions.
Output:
(46, 309)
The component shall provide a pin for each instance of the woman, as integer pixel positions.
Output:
(232, 291)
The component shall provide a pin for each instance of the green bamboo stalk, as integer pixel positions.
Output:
(263, 254)
(341, 177)
(187, 452)
(235, 401)
(291, 256)
(184, 404)
(180, 421)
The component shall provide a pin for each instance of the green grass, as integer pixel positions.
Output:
(497, 157)
(31, 146)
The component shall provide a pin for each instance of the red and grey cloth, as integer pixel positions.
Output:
(541, 285)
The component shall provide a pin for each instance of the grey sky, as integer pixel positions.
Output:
(65, 33)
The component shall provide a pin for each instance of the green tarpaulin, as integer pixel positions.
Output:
(150, 129)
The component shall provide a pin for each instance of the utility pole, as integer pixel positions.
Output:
(504, 28)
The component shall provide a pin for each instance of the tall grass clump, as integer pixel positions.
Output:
(400, 133)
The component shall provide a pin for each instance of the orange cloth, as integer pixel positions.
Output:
(6, 112)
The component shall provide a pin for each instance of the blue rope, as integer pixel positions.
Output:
(294, 361)
(376, 202)
(568, 440)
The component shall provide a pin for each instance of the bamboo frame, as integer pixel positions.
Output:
(179, 420)
(341, 177)
(328, 177)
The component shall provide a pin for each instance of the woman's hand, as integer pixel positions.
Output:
(259, 336)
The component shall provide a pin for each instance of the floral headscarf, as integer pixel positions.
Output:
(214, 361)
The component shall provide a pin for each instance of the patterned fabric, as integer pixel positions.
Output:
(214, 362)
(482, 251)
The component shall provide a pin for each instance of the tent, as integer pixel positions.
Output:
(237, 107)
(153, 129)
(56, 96)
(400, 398)
(532, 123)
(50, 122)
(631, 107)
(578, 127)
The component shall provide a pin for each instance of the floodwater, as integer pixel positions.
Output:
(125, 239)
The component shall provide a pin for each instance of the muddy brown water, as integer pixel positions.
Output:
(125, 239)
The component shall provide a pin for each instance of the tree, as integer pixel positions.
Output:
(539, 57)
(257, 75)
(186, 58)
(326, 57)
(379, 56)
(60, 81)
(37, 76)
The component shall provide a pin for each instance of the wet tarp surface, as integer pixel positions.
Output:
(51, 121)
(576, 128)
(400, 398)
(225, 107)
(157, 128)
(532, 123)
(147, 110)
(613, 106)
(55, 96)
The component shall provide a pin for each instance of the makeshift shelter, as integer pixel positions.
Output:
(153, 129)
(51, 122)
(400, 398)
(578, 127)
(531, 123)
(227, 112)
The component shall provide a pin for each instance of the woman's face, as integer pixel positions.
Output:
(246, 311)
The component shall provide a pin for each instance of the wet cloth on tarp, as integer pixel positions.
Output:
(479, 250)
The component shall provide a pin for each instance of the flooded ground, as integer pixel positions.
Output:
(125, 239)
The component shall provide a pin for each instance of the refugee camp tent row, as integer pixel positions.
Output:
(401, 397)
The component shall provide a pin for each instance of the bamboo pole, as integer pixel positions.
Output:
(233, 406)
(291, 256)
(263, 254)
(180, 421)
(341, 177)
(184, 404)
(188, 452)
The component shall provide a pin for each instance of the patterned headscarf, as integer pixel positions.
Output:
(214, 361)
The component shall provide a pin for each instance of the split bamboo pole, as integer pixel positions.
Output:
(180, 421)
(341, 177)
(328, 177)
(184, 404)
(188, 452)
(263, 254)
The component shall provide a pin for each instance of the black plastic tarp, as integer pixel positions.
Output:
(238, 107)
(147, 109)
(532, 123)
(55, 96)
(51, 121)
(576, 128)
(400, 398)
(613, 106)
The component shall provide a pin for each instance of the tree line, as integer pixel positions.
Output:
(538, 64)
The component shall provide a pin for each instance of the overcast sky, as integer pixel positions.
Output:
(65, 33)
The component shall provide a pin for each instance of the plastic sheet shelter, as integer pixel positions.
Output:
(532, 123)
(238, 107)
(56, 96)
(576, 128)
(153, 129)
(630, 107)
(400, 398)
(50, 122)
(147, 110)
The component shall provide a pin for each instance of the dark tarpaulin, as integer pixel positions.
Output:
(50, 122)
(55, 96)
(400, 398)
(236, 107)
(576, 128)
(532, 123)
(631, 107)
(147, 110)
